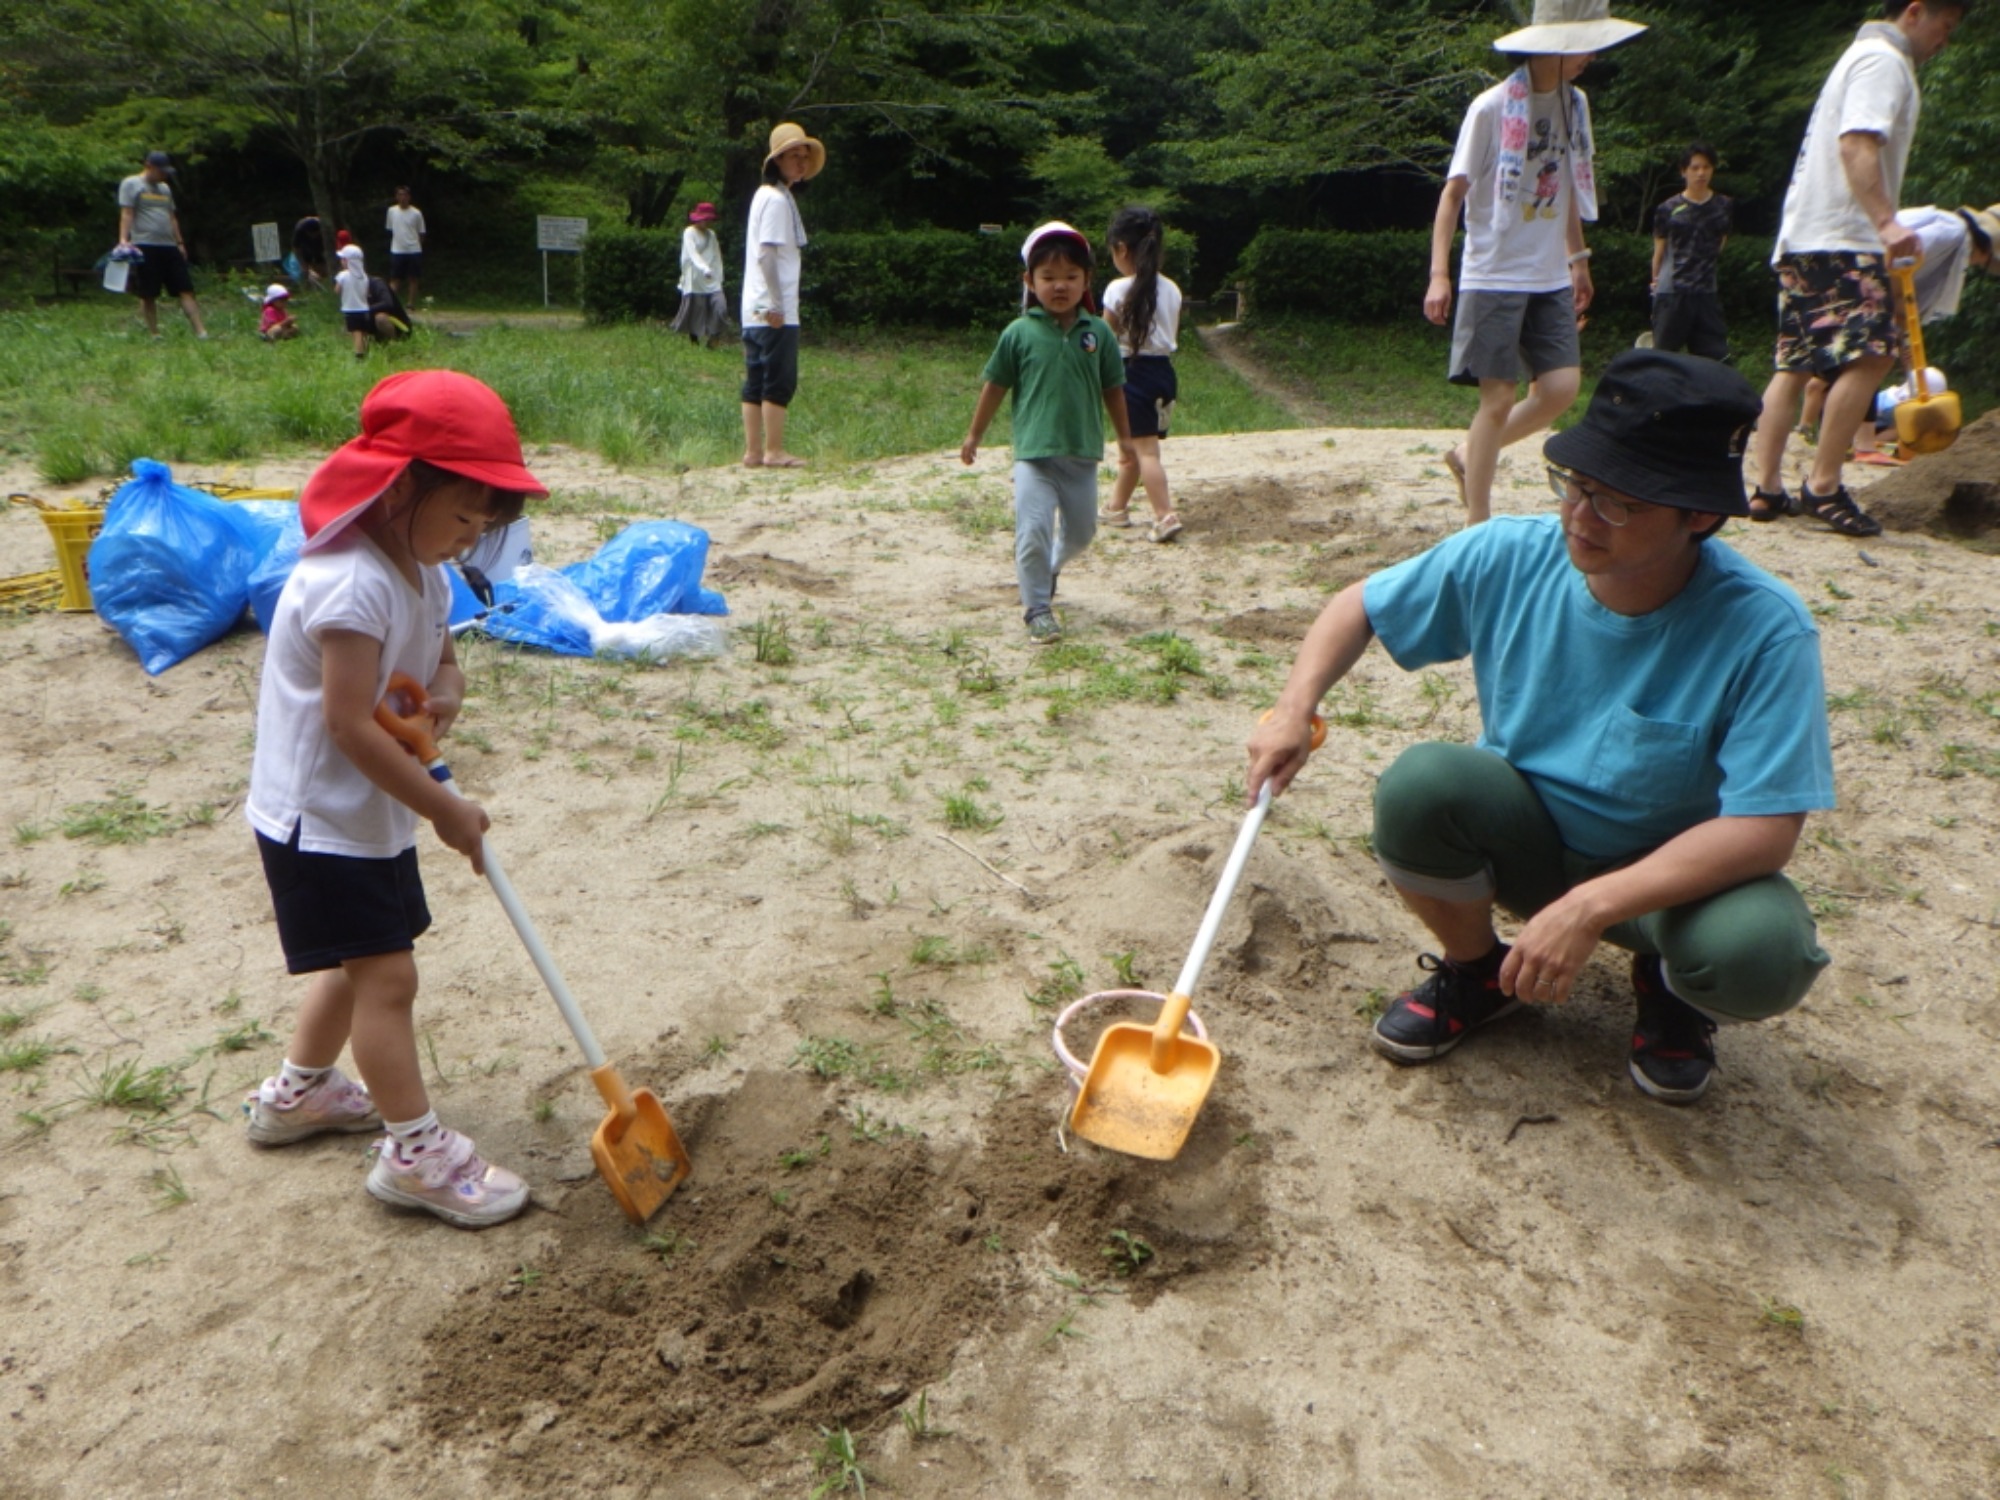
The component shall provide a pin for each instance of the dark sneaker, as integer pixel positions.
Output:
(1673, 1056)
(1433, 1018)
(1044, 629)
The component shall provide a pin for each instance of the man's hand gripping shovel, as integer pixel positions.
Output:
(640, 1158)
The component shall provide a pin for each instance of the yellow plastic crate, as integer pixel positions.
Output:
(73, 530)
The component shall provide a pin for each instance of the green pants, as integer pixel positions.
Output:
(1461, 824)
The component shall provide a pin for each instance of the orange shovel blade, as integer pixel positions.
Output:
(1145, 1086)
(638, 1155)
(1928, 426)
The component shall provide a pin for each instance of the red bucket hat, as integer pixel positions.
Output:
(702, 213)
(448, 420)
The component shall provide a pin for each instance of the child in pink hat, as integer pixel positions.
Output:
(335, 800)
(704, 312)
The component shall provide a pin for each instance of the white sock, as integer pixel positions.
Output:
(294, 1080)
(417, 1137)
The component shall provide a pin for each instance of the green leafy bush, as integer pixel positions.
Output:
(927, 278)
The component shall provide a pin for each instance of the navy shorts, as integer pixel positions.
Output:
(1150, 391)
(770, 364)
(359, 322)
(333, 907)
(403, 267)
(163, 269)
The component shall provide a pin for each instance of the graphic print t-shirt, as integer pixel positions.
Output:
(1528, 253)
(1694, 233)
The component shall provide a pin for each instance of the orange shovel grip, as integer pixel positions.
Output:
(1318, 725)
(414, 728)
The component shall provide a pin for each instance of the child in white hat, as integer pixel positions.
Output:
(1522, 175)
(277, 321)
(352, 284)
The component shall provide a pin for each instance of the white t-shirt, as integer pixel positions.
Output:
(406, 230)
(1164, 336)
(701, 260)
(1947, 252)
(298, 777)
(1530, 252)
(352, 283)
(774, 220)
(1873, 88)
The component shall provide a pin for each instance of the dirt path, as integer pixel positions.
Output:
(1224, 341)
(826, 904)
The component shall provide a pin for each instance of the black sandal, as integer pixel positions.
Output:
(1839, 511)
(1775, 503)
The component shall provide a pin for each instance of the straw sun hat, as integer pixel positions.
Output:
(1569, 27)
(788, 135)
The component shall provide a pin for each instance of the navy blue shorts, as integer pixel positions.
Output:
(163, 269)
(1150, 391)
(403, 267)
(359, 322)
(770, 364)
(333, 907)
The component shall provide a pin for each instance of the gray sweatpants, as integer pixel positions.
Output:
(1043, 489)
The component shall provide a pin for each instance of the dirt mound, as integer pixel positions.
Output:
(762, 567)
(1955, 493)
(1283, 627)
(1268, 510)
(818, 1270)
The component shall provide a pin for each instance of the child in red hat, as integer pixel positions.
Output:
(335, 800)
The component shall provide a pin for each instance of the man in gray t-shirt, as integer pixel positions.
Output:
(147, 221)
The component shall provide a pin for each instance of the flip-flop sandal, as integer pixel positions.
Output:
(784, 463)
(1457, 466)
(1839, 511)
(1776, 503)
(1114, 517)
(1879, 459)
(1166, 528)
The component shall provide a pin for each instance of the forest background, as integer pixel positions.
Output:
(1241, 119)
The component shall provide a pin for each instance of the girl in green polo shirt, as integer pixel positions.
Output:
(1061, 361)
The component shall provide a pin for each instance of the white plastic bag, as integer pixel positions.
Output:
(116, 273)
(655, 638)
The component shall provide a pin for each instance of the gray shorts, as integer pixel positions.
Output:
(1495, 334)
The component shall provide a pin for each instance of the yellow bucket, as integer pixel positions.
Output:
(74, 531)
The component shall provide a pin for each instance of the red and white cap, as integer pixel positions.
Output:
(448, 420)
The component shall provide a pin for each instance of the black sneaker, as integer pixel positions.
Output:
(1673, 1056)
(1433, 1018)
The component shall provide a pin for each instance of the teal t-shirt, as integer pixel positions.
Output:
(1631, 728)
(1058, 379)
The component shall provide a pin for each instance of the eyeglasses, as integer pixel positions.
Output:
(1608, 508)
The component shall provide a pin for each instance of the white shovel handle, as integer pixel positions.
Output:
(1218, 904)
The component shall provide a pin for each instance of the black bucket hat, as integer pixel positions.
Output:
(1668, 429)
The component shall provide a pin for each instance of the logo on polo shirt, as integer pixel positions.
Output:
(1088, 343)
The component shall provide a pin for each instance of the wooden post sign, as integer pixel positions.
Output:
(558, 236)
(264, 243)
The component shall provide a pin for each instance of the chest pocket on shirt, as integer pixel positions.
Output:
(1658, 761)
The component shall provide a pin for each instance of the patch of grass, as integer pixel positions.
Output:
(138, 1090)
(837, 1465)
(27, 1055)
(1064, 984)
(917, 1420)
(29, 833)
(1371, 1005)
(805, 1156)
(1780, 1315)
(773, 636)
(169, 1190)
(667, 1245)
(1127, 1253)
(245, 1038)
(82, 884)
(1969, 760)
(1125, 969)
(962, 811)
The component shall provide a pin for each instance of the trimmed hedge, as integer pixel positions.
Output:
(1382, 277)
(932, 278)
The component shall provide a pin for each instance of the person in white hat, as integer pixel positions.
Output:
(352, 284)
(1837, 237)
(1522, 176)
(771, 296)
(277, 321)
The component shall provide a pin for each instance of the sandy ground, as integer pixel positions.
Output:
(1507, 1274)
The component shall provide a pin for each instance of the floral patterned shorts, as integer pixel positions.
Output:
(1833, 308)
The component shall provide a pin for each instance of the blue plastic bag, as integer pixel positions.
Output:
(170, 572)
(267, 579)
(648, 570)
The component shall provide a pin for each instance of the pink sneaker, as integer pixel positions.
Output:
(456, 1183)
(335, 1103)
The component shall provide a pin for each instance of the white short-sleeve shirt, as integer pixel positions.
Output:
(1530, 251)
(1164, 336)
(1872, 90)
(299, 778)
(774, 220)
(353, 285)
(406, 230)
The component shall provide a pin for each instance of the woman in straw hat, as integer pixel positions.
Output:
(1522, 174)
(771, 296)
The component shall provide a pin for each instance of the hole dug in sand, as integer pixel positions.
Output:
(771, 1297)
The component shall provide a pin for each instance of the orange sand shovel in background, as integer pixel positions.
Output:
(637, 1153)
(1925, 423)
(1146, 1084)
